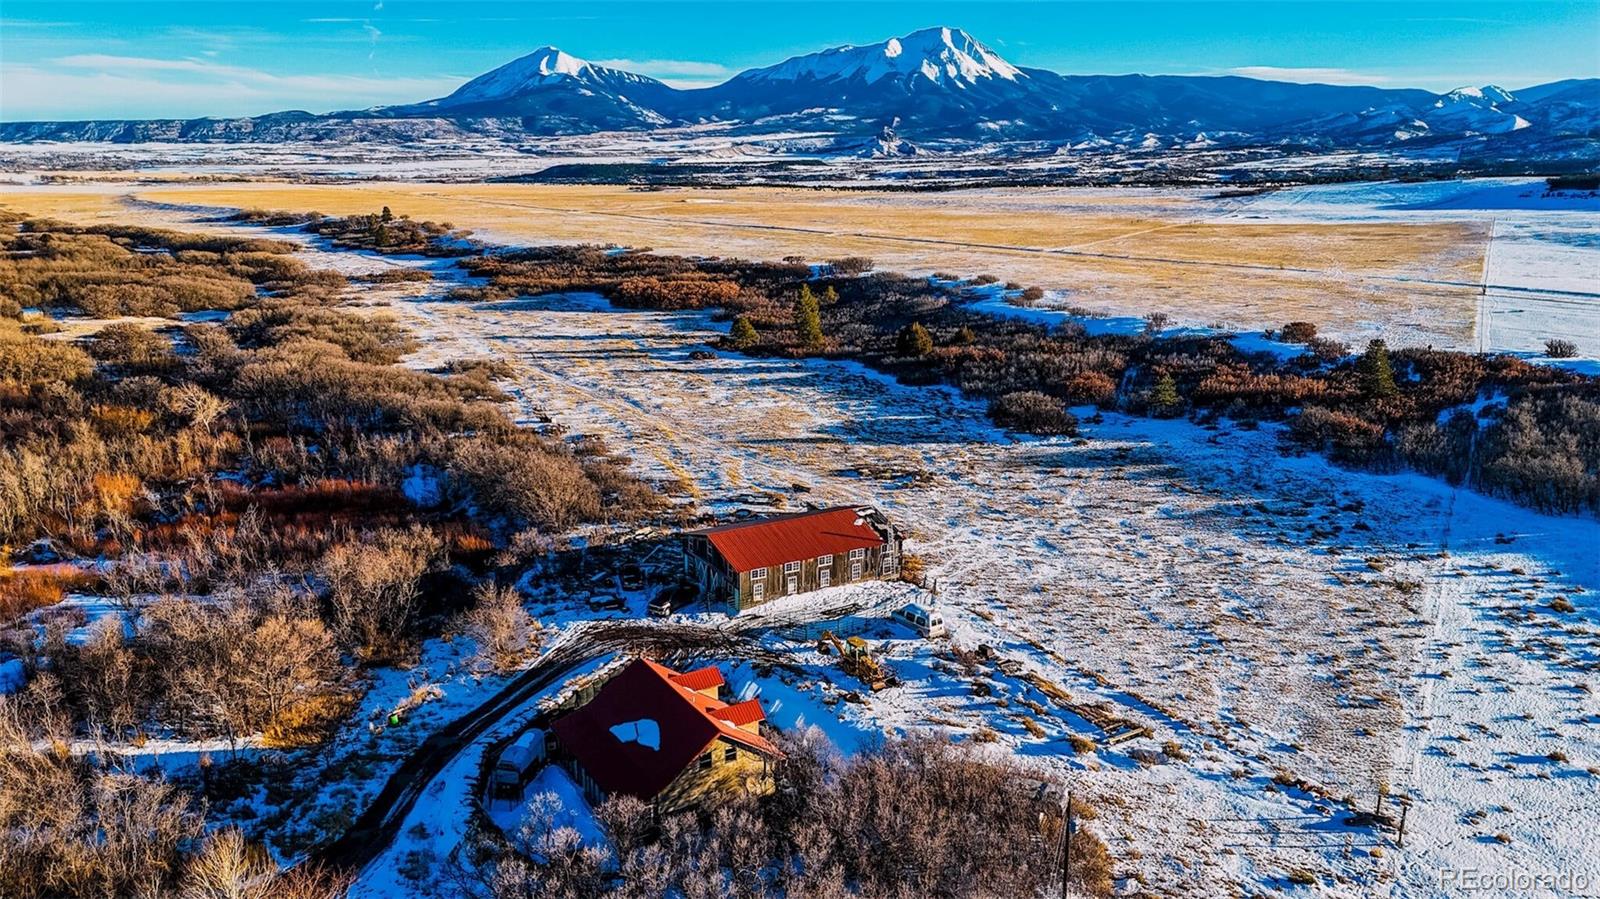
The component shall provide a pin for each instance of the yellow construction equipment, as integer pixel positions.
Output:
(856, 658)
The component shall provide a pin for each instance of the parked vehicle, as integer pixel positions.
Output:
(928, 623)
(517, 763)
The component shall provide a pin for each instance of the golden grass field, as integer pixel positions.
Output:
(1120, 251)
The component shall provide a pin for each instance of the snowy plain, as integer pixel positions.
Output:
(1301, 633)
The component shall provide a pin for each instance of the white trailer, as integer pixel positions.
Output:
(517, 763)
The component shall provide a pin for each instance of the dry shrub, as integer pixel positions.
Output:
(374, 584)
(535, 483)
(68, 829)
(1033, 412)
(22, 591)
(505, 634)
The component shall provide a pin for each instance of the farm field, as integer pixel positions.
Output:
(1371, 265)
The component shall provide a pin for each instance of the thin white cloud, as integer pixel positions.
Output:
(686, 73)
(95, 85)
(1310, 75)
(684, 67)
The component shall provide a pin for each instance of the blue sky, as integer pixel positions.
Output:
(133, 59)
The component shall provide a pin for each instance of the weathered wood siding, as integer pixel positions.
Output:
(840, 568)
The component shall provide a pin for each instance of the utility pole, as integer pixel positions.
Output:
(1066, 848)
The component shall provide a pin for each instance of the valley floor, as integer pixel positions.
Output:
(1478, 265)
(1293, 633)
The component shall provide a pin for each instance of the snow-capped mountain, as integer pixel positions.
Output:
(933, 80)
(564, 93)
(932, 90)
(1475, 110)
(944, 56)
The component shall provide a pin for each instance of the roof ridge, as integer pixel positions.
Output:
(781, 516)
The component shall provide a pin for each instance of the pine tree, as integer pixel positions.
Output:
(830, 296)
(386, 215)
(1164, 398)
(1377, 372)
(808, 318)
(743, 334)
(915, 341)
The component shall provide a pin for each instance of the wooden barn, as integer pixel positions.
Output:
(751, 562)
(667, 738)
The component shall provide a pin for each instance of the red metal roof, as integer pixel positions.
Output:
(610, 735)
(766, 542)
(742, 713)
(700, 678)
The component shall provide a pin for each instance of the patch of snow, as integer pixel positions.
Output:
(646, 732)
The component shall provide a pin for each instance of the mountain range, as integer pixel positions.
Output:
(938, 88)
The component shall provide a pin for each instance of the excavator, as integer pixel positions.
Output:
(856, 658)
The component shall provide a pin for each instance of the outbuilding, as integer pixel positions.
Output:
(751, 562)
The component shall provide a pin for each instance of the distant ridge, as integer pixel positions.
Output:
(937, 88)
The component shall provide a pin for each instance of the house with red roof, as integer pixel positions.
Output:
(665, 737)
(751, 562)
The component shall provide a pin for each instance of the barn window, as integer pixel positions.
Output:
(857, 554)
(758, 574)
(791, 567)
(730, 754)
(758, 589)
(824, 561)
(705, 762)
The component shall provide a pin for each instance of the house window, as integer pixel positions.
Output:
(758, 574)
(705, 762)
(824, 561)
(730, 754)
(857, 555)
(791, 567)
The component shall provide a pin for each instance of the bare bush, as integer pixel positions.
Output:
(498, 622)
(1556, 348)
(373, 585)
(1033, 412)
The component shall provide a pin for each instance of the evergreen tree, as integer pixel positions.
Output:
(915, 340)
(808, 318)
(966, 335)
(1164, 398)
(743, 334)
(386, 215)
(830, 296)
(1377, 372)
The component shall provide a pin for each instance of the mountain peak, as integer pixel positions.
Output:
(1489, 93)
(553, 61)
(941, 55)
(544, 66)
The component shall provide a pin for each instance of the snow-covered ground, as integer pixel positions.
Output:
(1541, 268)
(1282, 623)
(1275, 617)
